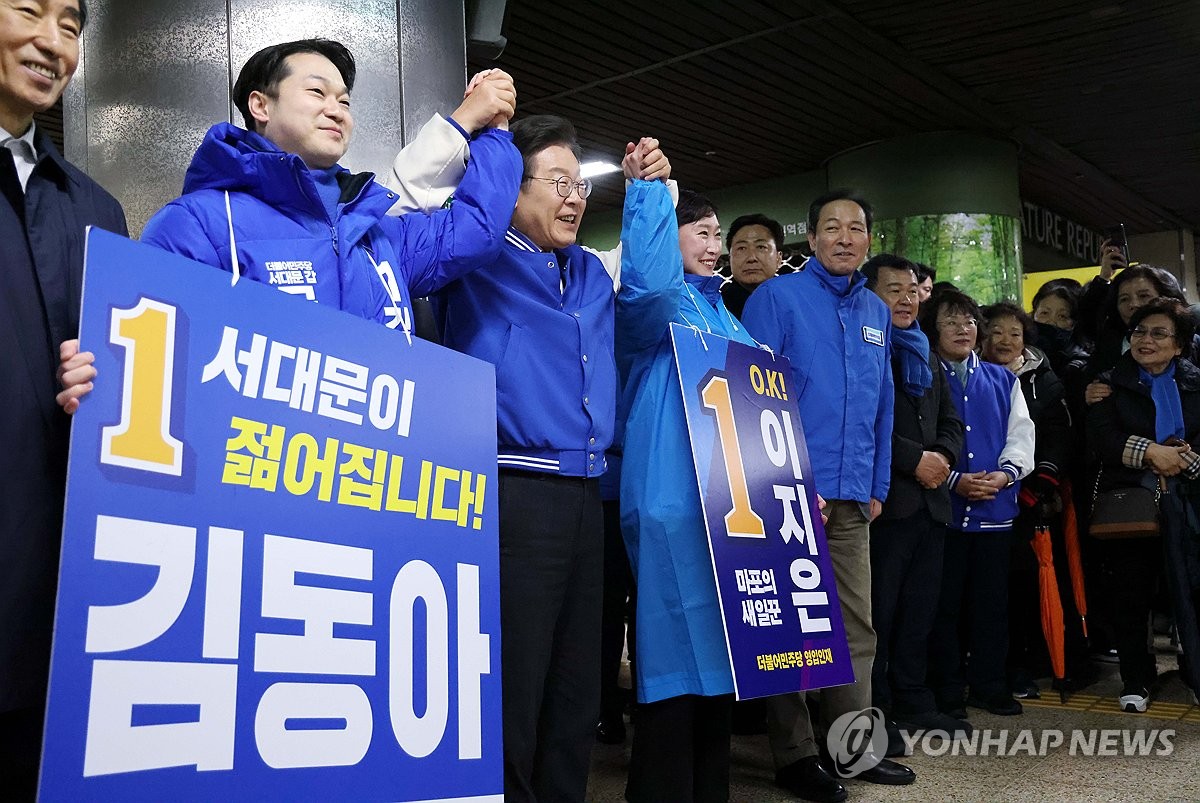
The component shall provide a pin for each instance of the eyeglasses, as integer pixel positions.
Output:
(564, 185)
(1155, 334)
(957, 326)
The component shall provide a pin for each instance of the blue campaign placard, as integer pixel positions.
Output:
(280, 566)
(775, 581)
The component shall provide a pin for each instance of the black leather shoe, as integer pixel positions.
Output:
(808, 780)
(888, 772)
(610, 731)
(1003, 705)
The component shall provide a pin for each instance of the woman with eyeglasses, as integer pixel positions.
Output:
(1131, 290)
(1146, 433)
(997, 453)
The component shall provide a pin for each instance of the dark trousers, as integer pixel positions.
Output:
(1129, 574)
(972, 617)
(20, 752)
(620, 598)
(681, 751)
(551, 567)
(906, 578)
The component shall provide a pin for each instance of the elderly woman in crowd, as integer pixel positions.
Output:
(1131, 289)
(1008, 336)
(1144, 434)
(997, 453)
(1055, 313)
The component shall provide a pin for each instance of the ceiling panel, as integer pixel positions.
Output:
(1099, 96)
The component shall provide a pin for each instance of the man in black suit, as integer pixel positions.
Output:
(47, 204)
(907, 537)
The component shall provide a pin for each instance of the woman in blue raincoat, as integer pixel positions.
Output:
(684, 681)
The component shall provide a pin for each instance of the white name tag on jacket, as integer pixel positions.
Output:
(873, 335)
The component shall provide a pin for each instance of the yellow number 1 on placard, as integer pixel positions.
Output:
(142, 439)
(741, 521)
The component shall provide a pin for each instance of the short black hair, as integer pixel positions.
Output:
(871, 267)
(1060, 291)
(925, 272)
(266, 68)
(1067, 283)
(941, 287)
(1177, 311)
(537, 132)
(953, 301)
(814, 209)
(82, 13)
(757, 219)
(1007, 309)
(692, 206)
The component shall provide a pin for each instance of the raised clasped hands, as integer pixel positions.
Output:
(489, 101)
(645, 160)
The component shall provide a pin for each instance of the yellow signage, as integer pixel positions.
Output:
(1032, 282)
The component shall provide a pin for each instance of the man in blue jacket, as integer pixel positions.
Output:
(835, 332)
(270, 201)
(542, 312)
(47, 203)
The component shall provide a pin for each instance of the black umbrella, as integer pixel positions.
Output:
(1181, 554)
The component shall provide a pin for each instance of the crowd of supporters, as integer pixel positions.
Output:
(1031, 415)
(950, 443)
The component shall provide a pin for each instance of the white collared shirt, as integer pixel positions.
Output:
(24, 153)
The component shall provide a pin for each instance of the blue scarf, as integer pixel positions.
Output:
(912, 347)
(1168, 409)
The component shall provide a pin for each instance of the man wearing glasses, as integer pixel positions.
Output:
(542, 313)
(836, 333)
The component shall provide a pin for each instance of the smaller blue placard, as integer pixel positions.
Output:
(775, 581)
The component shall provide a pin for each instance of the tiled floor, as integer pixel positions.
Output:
(1057, 775)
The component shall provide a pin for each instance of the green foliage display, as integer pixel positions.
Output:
(980, 254)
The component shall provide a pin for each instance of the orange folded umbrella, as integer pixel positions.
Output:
(1051, 605)
(1074, 561)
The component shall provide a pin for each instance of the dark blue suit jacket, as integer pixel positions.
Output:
(41, 273)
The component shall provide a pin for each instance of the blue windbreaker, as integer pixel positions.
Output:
(240, 186)
(680, 639)
(838, 341)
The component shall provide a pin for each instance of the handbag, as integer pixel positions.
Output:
(1124, 512)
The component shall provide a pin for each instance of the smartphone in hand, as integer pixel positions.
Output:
(1115, 235)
